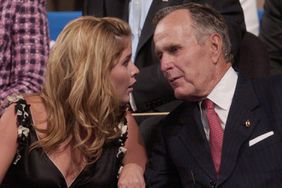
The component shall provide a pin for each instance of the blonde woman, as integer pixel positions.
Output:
(78, 132)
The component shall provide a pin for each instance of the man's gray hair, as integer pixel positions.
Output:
(206, 20)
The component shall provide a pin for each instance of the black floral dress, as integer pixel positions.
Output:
(35, 169)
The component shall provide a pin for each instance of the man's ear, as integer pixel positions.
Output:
(215, 47)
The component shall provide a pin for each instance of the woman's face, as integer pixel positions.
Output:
(123, 73)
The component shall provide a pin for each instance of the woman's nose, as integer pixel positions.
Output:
(133, 69)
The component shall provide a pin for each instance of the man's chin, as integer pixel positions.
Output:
(185, 96)
(179, 96)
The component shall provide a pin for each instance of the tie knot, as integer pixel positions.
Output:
(207, 104)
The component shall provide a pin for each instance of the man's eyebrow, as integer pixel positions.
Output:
(171, 45)
(168, 47)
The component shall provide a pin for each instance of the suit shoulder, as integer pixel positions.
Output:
(175, 117)
(269, 84)
(269, 91)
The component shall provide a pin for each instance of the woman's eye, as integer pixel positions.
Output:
(125, 63)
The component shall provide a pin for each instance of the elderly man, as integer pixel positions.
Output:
(227, 131)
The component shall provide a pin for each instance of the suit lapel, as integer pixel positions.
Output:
(193, 137)
(237, 130)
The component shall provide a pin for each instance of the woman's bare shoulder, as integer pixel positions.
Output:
(37, 110)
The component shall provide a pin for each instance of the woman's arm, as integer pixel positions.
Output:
(8, 140)
(135, 158)
(135, 146)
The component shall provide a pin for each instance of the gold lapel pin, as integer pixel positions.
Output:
(247, 123)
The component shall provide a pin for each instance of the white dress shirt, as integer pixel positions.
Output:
(138, 10)
(251, 15)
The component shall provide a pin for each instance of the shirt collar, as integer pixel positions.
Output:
(223, 92)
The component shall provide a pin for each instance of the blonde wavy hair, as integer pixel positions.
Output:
(80, 100)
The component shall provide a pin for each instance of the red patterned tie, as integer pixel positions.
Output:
(216, 133)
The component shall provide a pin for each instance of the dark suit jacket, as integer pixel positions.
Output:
(151, 89)
(271, 33)
(253, 58)
(182, 156)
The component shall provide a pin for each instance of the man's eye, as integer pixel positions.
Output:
(160, 55)
(173, 49)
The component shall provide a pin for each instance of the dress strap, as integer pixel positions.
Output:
(123, 137)
(24, 123)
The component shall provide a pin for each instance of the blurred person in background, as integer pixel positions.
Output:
(271, 33)
(24, 47)
(251, 15)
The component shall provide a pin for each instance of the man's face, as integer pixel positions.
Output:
(186, 64)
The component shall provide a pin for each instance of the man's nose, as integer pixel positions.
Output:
(166, 62)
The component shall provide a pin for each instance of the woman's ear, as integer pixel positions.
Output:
(215, 47)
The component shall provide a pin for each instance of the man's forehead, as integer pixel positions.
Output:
(162, 32)
(176, 16)
(165, 40)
